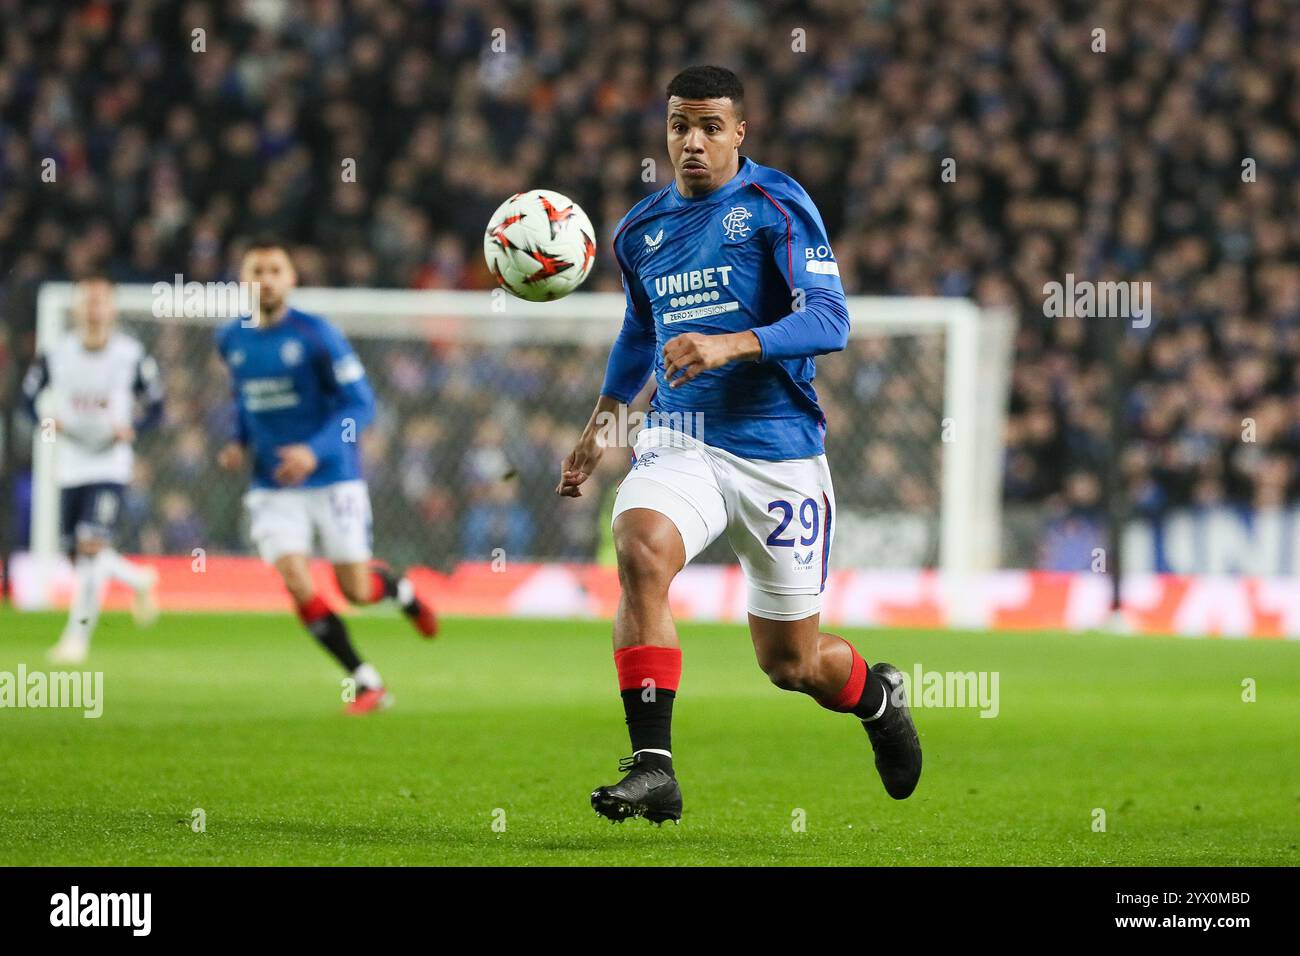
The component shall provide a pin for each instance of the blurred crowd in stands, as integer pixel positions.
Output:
(1152, 141)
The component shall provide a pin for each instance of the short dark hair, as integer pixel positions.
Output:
(708, 83)
(266, 240)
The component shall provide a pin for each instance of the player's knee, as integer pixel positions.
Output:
(645, 562)
(792, 673)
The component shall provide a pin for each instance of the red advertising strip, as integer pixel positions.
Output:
(1003, 600)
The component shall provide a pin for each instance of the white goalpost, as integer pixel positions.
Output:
(975, 352)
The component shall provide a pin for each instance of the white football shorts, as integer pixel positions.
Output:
(285, 521)
(778, 515)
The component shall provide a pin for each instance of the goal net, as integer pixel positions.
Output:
(481, 395)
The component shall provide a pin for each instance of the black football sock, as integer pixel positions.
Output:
(650, 724)
(333, 636)
(865, 695)
(875, 702)
(328, 628)
(648, 677)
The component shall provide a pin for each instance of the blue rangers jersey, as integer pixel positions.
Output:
(752, 254)
(297, 382)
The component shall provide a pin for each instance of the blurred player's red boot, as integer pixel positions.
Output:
(425, 621)
(419, 611)
(386, 584)
(369, 700)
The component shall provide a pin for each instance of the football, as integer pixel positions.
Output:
(539, 245)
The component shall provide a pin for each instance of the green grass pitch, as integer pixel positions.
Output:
(514, 722)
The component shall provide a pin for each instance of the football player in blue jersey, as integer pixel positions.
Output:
(302, 400)
(731, 290)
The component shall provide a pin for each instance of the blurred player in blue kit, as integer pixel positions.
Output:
(302, 401)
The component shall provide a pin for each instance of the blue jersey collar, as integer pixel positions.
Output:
(730, 187)
(259, 327)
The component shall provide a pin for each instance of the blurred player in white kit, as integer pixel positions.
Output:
(97, 379)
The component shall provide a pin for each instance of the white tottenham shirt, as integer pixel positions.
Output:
(93, 392)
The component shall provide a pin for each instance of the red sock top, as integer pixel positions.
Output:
(314, 609)
(848, 698)
(376, 587)
(635, 665)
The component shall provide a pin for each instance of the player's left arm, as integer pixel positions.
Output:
(344, 379)
(819, 318)
(148, 390)
(35, 382)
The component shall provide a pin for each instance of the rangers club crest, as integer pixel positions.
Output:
(733, 223)
(291, 352)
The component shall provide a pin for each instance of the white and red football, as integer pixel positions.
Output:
(539, 245)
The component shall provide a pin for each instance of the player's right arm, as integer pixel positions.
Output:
(231, 454)
(586, 454)
(34, 382)
(148, 390)
(629, 365)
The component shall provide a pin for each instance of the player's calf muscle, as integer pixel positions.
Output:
(798, 674)
(797, 657)
(354, 581)
(811, 673)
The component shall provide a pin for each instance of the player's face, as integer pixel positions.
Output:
(703, 139)
(274, 274)
(96, 312)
